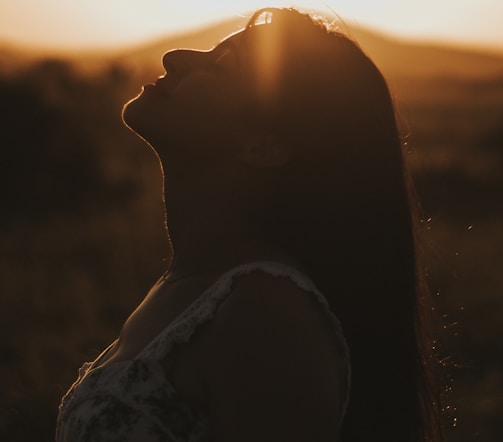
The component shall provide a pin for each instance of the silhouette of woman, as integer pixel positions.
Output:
(292, 309)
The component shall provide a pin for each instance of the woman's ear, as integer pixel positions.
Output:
(264, 151)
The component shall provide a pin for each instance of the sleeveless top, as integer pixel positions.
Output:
(132, 400)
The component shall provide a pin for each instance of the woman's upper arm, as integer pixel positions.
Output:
(273, 366)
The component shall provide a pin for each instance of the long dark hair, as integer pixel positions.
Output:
(343, 208)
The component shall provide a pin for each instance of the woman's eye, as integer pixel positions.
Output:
(225, 60)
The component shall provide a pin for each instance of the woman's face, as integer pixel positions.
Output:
(199, 101)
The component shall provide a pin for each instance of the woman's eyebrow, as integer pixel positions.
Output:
(226, 44)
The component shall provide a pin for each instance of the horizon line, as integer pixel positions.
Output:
(94, 49)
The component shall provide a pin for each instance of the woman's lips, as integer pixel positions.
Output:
(164, 86)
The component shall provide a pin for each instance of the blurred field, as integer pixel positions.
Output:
(81, 225)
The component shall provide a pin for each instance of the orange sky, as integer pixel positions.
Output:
(75, 24)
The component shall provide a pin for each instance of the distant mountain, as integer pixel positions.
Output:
(408, 58)
(397, 58)
(394, 56)
(203, 39)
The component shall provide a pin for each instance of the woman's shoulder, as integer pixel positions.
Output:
(272, 290)
(280, 299)
(273, 347)
(266, 272)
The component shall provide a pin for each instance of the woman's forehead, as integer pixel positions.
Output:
(246, 38)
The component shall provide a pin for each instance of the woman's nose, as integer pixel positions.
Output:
(179, 61)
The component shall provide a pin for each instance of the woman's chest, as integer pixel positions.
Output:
(156, 317)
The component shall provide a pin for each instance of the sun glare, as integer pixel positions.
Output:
(266, 56)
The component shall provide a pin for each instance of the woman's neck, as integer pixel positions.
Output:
(206, 251)
(208, 226)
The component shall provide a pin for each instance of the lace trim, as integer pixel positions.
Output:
(204, 308)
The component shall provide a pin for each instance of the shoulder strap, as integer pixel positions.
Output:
(204, 308)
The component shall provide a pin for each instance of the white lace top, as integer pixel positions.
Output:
(133, 401)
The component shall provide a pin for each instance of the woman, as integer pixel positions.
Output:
(288, 210)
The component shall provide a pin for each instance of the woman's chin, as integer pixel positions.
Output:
(131, 114)
(141, 115)
(134, 117)
(135, 120)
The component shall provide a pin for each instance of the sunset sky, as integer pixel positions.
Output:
(76, 24)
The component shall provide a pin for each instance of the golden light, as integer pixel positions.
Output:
(98, 24)
(266, 56)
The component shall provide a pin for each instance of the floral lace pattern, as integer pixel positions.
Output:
(132, 400)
